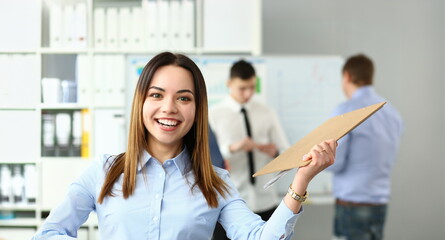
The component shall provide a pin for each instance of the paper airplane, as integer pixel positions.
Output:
(333, 128)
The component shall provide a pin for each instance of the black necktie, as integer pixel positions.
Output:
(250, 153)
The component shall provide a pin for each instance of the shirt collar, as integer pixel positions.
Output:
(236, 106)
(181, 161)
(363, 91)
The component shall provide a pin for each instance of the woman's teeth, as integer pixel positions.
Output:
(168, 123)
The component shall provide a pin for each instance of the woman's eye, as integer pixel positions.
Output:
(155, 95)
(184, 99)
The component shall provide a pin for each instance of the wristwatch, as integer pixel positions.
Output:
(295, 196)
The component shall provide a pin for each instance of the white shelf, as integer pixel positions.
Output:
(70, 106)
(225, 51)
(21, 207)
(19, 222)
(62, 51)
(18, 108)
(124, 51)
(58, 158)
(18, 51)
(54, 174)
(3, 161)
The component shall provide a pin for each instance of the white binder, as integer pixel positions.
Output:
(188, 25)
(115, 80)
(69, 23)
(83, 77)
(80, 22)
(175, 37)
(55, 26)
(164, 25)
(137, 28)
(99, 28)
(111, 30)
(100, 88)
(152, 25)
(109, 129)
(125, 28)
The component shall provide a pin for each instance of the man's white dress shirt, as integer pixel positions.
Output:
(228, 124)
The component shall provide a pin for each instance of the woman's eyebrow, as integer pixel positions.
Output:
(185, 90)
(157, 88)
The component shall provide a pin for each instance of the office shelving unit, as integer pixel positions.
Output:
(29, 52)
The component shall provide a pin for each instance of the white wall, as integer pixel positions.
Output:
(406, 40)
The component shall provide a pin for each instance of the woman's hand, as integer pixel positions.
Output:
(322, 156)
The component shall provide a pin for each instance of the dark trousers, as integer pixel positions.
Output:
(220, 234)
(359, 222)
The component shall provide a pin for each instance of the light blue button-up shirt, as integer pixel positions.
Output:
(162, 207)
(366, 155)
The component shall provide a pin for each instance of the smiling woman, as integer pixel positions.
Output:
(164, 186)
(169, 110)
(166, 84)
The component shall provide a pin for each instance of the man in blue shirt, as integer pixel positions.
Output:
(365, 157)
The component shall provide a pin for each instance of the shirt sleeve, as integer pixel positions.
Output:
(241, 223)
(65, 219)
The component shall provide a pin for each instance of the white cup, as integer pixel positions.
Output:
(51, 90)
(69, 91)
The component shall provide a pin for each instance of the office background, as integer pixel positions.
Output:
(406, 41)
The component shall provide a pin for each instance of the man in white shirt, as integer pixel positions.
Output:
(249, 137)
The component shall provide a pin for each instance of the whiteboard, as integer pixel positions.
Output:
(303, 90)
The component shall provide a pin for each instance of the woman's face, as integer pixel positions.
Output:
(169, 109)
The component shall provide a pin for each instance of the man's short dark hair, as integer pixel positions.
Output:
(242, 69)
(361, 69)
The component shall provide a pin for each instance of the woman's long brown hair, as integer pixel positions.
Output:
(196, 140)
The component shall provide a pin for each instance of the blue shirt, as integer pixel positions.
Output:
(365, 156)
(162, 207)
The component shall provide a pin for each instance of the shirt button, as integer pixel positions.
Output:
(157, 196)
(160, 175)
(155, 219)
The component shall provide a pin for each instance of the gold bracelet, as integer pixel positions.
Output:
(295, 196)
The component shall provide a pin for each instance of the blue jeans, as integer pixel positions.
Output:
(359, 222)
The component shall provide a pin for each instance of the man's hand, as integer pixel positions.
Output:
(245, 144)
(270, 149)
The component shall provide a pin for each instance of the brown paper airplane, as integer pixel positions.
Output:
(333, 128)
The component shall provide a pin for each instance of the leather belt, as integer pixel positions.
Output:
(356, 204)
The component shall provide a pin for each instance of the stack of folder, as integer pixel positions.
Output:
(154, 26)
(68, 26)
